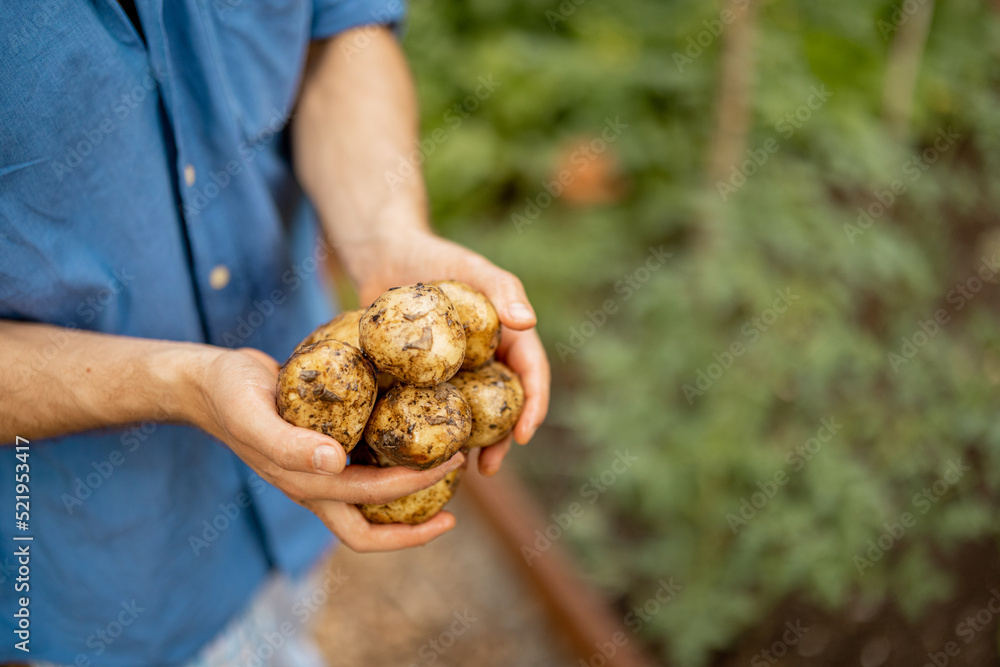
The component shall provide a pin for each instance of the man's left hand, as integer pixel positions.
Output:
(419, 256)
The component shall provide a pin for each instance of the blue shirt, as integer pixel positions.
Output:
(146, 190)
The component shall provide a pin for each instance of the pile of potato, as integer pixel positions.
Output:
(414, 374)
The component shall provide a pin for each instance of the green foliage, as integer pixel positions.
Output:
(859, 293)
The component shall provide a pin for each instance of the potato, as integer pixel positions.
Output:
(328, 387)
(479, 320)
(343, 327)
(419, 427)
(495, 395)
(414, 334)
(366, 456)
(385, 382)
(414, 508)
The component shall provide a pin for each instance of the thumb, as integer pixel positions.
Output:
(507, 293)
(300, 449)
(290, 447)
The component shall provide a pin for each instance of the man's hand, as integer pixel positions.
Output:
(356, 124)
(235, 402)
(101, 380)
(409, 257)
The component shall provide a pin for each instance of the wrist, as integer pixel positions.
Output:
(181, 373)
(373, 252)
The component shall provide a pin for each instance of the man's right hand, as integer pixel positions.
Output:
(236, 404)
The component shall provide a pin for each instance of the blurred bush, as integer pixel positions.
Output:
(516, 92)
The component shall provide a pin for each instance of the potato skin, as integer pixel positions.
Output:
(366, 456)
(343, 327)
(417, 507)
(496, 398)
(479, 320)
(414, 334)
(419, 427)
(328, 387)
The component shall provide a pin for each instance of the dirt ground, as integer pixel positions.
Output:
(459, 601)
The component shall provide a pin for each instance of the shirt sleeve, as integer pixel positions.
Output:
(334, 16)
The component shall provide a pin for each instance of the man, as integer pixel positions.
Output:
(162, 169)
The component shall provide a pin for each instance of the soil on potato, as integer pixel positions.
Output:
(459, 601)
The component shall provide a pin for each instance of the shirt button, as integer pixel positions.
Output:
(219, 277)
(189, 175)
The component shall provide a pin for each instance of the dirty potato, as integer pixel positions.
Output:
(479, 320)
(366, 456)
(419, 427)
(417, 507)
(328, 387)
(496, 398)
(414, 334)
(343, 327)
(414, 508)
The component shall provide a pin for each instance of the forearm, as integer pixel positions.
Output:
(357, 118)
(55, 381)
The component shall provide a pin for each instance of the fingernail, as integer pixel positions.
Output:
(519, 311)
(326, 459)
(456, 460)
(528, 435)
